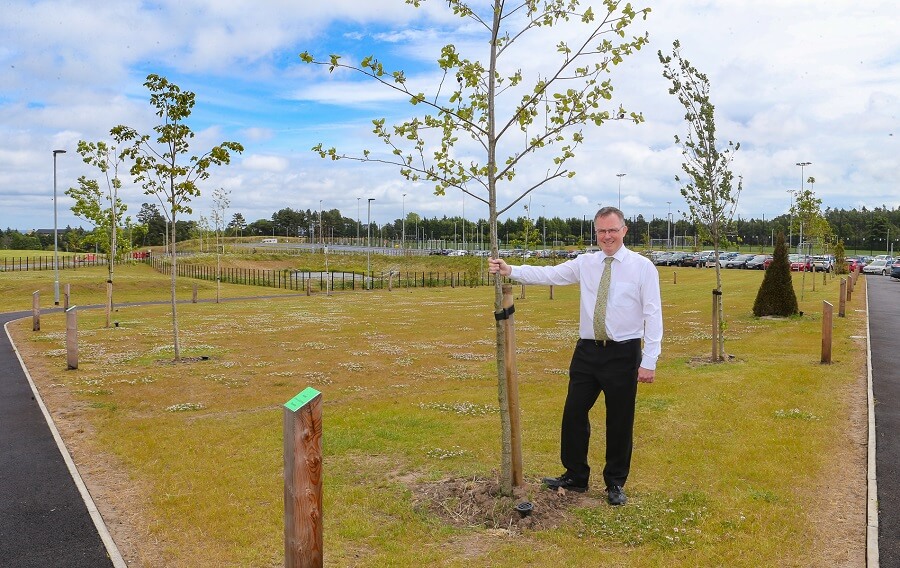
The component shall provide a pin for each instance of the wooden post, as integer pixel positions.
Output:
(551, 291)
(194, 296)
(842, 304)
(827, 328)
(303, 480)
(72, 338)
(512, 388)
(309, 286)
(674, 277)
(66, 296)
(391, 281)
(715, 327)
(522, 294)
(850, 283)
(36, 310)
(109, 291)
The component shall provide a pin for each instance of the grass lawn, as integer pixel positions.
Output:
(735, 464)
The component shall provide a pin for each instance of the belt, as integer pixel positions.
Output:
(607, 342)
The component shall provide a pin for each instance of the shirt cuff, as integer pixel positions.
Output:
(648, 362)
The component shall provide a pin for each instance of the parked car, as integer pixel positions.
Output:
(661, 258)
(692, 259)
(723, 258)
(759, 262)
(800, 262)
(670, 259)
(854, 263)
(895, 269)
(739, 261)
(877, 266)
(823, 263)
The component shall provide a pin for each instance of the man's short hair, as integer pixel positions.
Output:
(610, 210)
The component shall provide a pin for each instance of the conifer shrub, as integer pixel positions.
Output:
(776, 295)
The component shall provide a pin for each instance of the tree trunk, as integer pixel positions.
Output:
(175, 343)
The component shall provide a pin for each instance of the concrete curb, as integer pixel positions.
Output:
(872, 560)
(108, 542)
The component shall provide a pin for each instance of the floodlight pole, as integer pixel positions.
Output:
(369, 241)
(55, 236)
(802, 165)
(669, 226)
(403, 229)
(620, 176)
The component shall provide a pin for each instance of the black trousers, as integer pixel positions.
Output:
(611, 369)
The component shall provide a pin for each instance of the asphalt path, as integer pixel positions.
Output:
(884, 329)
(44, 520)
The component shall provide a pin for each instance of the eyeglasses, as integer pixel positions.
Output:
(609, 231)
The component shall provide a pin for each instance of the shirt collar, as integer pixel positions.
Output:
(619, 255)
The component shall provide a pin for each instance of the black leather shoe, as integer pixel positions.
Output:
(565, 482)
(615, 495)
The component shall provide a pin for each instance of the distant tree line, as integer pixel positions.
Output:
(858, 229)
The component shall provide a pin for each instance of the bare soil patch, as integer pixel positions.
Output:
(479, 502)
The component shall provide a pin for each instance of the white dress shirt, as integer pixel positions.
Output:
(634, 308)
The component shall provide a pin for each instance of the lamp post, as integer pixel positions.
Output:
(669, 226)
(369, 241)
(791, 222)
(544, 216)
(357, 220)
(403, 227)
(802, 165)
(321, 226)
(620, 176)
(55, 235)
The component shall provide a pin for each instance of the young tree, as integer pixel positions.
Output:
(220, 206)
(237, 224)
(483, 121)
(153, 222)
(709, 191)
(776, 295)
(806, 211)
(159, 163)
(102, 208)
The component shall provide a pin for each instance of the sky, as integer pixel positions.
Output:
(792, 81)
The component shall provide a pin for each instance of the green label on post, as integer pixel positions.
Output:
(304, 397)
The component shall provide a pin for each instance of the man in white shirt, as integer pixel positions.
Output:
(617, 311)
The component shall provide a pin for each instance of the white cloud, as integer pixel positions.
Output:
(265, 163)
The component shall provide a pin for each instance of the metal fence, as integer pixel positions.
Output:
(23, 263)
(289, 279)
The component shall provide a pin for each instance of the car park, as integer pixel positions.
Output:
(877, 266)
(759, 262)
